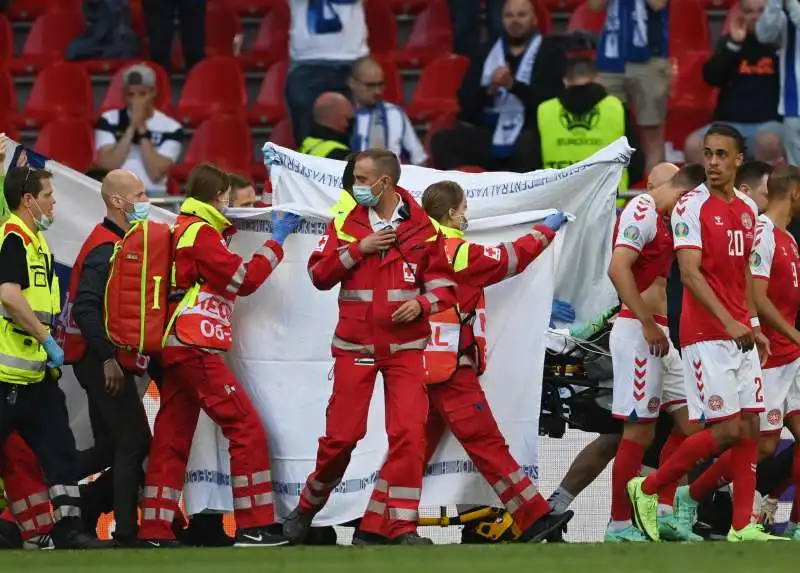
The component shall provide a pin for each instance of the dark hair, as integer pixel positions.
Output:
(239, 182)
(385, 161)
(348, 179)
(97, 173)
(689, 176)
(782, 180)
(751, 172)
(439, 198)
(726, 130)
(580, 67)
(361, 62)
(20, 181)
(207, 182)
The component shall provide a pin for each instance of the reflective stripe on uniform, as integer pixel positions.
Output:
(270, 254)
(27, 525)
(18, 507)
(312, 499)
(401, 294)
(352, 347)
(400, 492)
(44, 519)
(419, 344)
(355, 295)
(170, 493)
(376, 507)
(38, 498)
(263, 498)
(500, 486)
(21, 363)
(150, 492)
(401, 514)
(65, 511)
(236, 280)
(347, 260)
(264, 476)
(68, 490)
(381, 485)
(167, 515)
(434, 302)
(242, 503)
(41, 316)
(438, 283)
(517, 476)
(513, 262)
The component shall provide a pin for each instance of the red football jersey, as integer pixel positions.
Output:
(723, 231)
(775, 259)
(641, 228)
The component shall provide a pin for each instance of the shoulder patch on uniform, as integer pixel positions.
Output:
(492, 252)
(323, 241)
(681, 229)
(632, 233)
(755, 260)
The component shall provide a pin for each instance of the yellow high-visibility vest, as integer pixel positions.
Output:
(320, 147)
(23, 359)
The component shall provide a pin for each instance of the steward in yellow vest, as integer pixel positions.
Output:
(331, 128)
(582, 121)
(31, 403)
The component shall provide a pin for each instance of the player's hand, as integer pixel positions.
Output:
(115, 378)
(741, 334)
(379, 241)
(3, 149)
(762, 344)
(656, 339)
(407, 312)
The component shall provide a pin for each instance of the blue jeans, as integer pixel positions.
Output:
(749, 131)
(304, 84)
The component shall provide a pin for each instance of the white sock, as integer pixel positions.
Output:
(560, 500)
(619, 525)
(664, 509)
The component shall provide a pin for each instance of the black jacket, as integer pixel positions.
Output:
(746, 74)
(579, 100)
(546, 83)
(87, 309)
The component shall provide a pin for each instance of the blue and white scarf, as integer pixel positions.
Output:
(507, 108)
(322, 17)
(624, 37)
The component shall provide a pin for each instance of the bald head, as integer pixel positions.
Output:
(334, 111)
(121, 190)
(661, 174)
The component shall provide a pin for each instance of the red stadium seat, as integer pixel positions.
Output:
(48, 40)
(561, 5)
(222, 27)
(32, 9)
(719, 4)
(8, 97)
(692, 102)
(586, 20)
(69, 141)
(407, 6)
(115, 97)
(214, 86)
(382, 27)
(269, 107)
(283, 135)
(393, 83)
(60, 90)
(436, 92)
(253, 7)
(688, 30)
(544, 22)
(223, 139)
(272, 42)
(7, 126)
(431, 37)
(6, 39)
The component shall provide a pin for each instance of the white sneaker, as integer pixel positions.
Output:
(39, 542)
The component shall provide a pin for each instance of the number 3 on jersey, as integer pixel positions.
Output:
(735, 243)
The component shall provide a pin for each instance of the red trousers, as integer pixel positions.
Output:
(205, 382)
(26, 489)
(461, 405)
(399, 485)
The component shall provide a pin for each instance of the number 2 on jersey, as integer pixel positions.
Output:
(794, 274)
(735, 243)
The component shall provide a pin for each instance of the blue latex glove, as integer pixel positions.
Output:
(555, 221)
(270, 157)
(562, 311)
(282, 227)
(55, 356)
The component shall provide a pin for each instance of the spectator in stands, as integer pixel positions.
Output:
(332, 127)
(139, 138)
(466, 18)
(159, 19)
(746, 72)
(243, 194)
(325, 39)
(751, 179)
(96, 173)
(774, 27)
(769, 149)
(582, 121)
(632, 58)
(499, 97)
(380, 124)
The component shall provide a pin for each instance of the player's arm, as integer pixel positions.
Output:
(330, 262)
(769, 313)
(762, 343)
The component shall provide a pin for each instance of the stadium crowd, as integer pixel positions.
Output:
(524, 99)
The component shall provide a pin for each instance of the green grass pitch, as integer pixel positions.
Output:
(562, 558)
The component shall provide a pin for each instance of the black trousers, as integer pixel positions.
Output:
(472, 145)
(122, 440)
(159, 19)
(38, 412)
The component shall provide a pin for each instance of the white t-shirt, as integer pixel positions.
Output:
(379, 224)
(337, 32)
(165, 133)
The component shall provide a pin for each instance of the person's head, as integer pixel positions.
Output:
(97, 173)
(334, 111)
(29, 195)
(783, 184)
(348, 179)
(209, 184)
(446, 203)
(723, 149)
(366, 82)
(751, 12)
(125, 198)
(519, 21)
(751, 179)
(580, 71)
(243, 194)
(139, 83)
(658, 184)
(769, 149)
(689, 176)
(375, 173)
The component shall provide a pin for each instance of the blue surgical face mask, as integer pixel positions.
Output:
(141, 211)
(43, 222)
(363, 195)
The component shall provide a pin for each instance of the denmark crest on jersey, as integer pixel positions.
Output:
(747, 221)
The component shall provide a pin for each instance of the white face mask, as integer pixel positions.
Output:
(464, 220)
